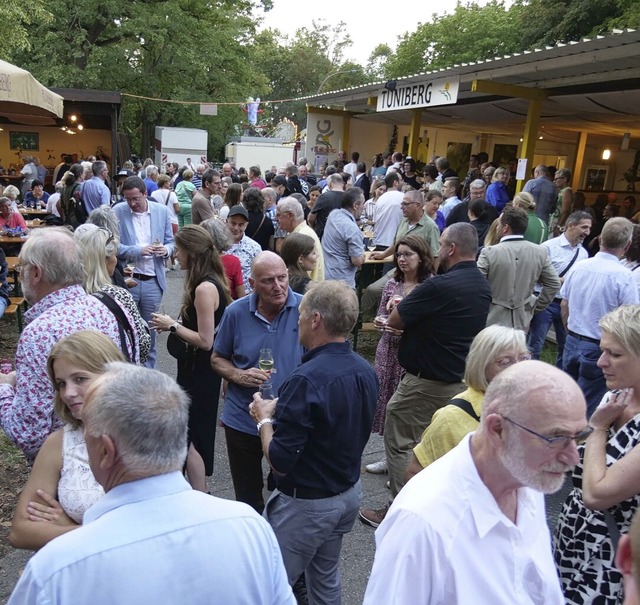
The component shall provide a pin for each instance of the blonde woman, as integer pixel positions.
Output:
(61, 486)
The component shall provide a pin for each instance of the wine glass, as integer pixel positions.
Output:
(265, 361)
(370, 245)
(266, 391)
(131, 263)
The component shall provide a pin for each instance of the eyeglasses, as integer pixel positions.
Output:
(405, 254)
(560, 441)
(19, 267)
(109, 235)
(505, 362)
(405, 204)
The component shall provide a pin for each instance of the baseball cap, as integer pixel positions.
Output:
(235, 210)
(279, 180)
(123, 173)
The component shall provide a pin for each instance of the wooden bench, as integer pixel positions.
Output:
(16, 307)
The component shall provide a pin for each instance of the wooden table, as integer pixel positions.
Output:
(32, 212)
(12, 262)
(8, 241)
(33, 225)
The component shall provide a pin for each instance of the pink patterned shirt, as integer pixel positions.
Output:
(26, 412)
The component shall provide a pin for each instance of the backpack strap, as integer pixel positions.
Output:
(465, 406)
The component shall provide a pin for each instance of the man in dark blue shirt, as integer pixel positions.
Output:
(314, 443)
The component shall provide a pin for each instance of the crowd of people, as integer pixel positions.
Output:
(475, 427)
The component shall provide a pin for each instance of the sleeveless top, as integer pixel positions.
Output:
(77, 487)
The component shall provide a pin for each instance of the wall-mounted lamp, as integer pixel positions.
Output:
(626, 139)
(606, 154)
(391, 85)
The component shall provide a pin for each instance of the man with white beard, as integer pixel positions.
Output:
(471, 527)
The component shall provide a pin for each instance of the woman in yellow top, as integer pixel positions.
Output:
(493, 350)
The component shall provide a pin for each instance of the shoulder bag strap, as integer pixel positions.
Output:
(573, 260)
(123, 323)
(260, 225)
(465, 406)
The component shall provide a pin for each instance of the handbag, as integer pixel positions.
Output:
(124, 327)
(177, 347)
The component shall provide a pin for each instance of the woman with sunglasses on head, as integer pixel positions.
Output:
(206, 295)
(61, 486)
(98, 247)
(414, 264)
(606, 484)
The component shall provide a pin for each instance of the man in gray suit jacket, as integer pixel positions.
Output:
(146, 238)
(513, 267)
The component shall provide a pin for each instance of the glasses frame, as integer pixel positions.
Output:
(560, 441)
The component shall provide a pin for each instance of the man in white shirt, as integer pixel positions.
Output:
(351, 167)
(387, 212)
(471, 527)
(151, 527)
(450, 189)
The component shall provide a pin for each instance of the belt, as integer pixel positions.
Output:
(306, 493)
(557, 300)
(142, 276)
(594, 341)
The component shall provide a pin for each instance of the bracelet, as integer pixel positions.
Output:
(263, 422)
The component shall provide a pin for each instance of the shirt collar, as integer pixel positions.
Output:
(293, 300)
(51, 300)
(336, 347)
(507, 238)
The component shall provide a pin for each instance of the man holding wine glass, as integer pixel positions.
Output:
(256, 344)
(146, 239)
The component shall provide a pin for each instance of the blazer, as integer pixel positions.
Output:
(512, 268)
(160, 229)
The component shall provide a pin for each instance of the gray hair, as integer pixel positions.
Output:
(335, 179)
(464, 236)
(145, 413)
(270, 193)
(104, 216)
(477, 184)
(486, 348)
(623, 324)
(219, 234)
(336, 303)
(151, 170)
(54, 252)
(616, 233)
(577, 217)
(291, 204)
(97, 167)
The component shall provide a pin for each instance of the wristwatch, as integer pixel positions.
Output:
(173, 329)
(263, 422)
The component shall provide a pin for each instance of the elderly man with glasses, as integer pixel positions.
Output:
(486, 496)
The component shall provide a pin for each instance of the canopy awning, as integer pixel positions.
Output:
(24, 100)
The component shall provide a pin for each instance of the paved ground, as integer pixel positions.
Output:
(358, 546)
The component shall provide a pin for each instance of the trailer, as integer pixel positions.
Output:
(181, 145)
(259, 151)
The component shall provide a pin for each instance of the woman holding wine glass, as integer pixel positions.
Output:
(414, 264)
(206, 295)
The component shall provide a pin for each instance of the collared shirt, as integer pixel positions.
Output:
(26, 412)
(561, 253)
(142, 227)
(433, 546)
(318, 273)
(425, 228)
(95, 194)
(341, 241)
(325, 204)
(323, 419)
(449, 205)
(387, 214)
(242, 333)
(593, 287)
(143, 535)
(245, 250)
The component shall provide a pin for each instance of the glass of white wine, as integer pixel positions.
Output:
(265, 361)
(131, 263)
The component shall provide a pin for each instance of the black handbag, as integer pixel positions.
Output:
(177, 347)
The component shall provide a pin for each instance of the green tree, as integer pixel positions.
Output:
(18, 17)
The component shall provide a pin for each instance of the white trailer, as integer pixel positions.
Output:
(259, 151)
(180, 145)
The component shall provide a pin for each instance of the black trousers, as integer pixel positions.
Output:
(245, 461)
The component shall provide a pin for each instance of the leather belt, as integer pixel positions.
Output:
(306, 493)
(594, 341)
(142, 276)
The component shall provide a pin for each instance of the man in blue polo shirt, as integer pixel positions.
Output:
(314, 442)
(268, 318)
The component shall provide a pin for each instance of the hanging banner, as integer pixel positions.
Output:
(425, 93)
(324, 136)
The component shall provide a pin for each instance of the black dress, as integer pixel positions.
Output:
(202, 384)
(298, 283)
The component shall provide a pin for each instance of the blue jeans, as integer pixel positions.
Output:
(3, 305)
(309, 533)
(148, 296)
(538, 328)
(580, 362)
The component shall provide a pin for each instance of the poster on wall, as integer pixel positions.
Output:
(324, 136)
(595, 178)
(458, 155)
(24, 141)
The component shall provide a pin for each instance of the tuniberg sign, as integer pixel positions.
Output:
(427, 93)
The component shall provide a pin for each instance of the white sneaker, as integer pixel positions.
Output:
(377, 468)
